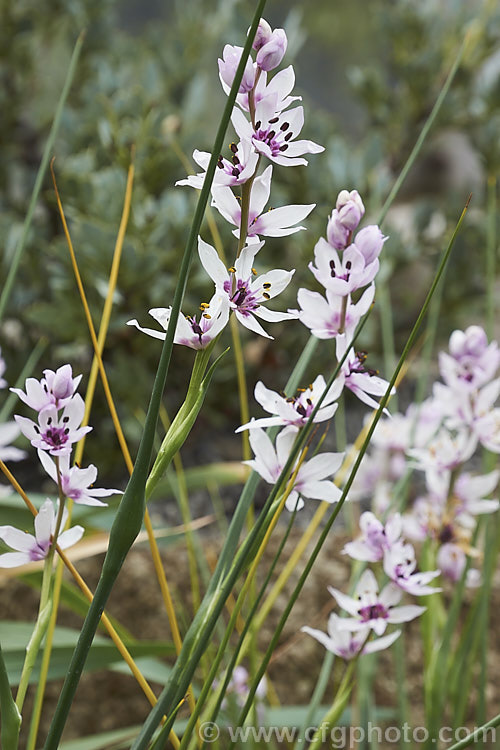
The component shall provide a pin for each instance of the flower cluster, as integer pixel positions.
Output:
(372, 611)
(57, 428)
(267, 126)
(438, 438)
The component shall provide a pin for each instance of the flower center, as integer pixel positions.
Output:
(276, 139)
(373, 612)
(56, 436)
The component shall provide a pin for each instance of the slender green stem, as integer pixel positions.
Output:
(39, 631)
(14, 265)
(491, 249)
(130, 513)
(477, 734)
(341, 697)
(11, 716)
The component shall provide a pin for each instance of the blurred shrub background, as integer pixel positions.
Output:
(369, 75)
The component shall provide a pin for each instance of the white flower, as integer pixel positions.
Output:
(274, 133)
(190, 332)
(375, 538)
(345, 644)
(55, 433)
(324, 316)
(30, 548)
(246, 294)
(295, 410)
(55, 390)
(400, 564)
(310, 480)
(369, 608)
(362, 381)
(277, 222)
(76, 483)
(235, 171)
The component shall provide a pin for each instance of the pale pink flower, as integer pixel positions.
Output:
(55, 390)
(342, 273)
(271, 53)
(324, 316)
(400, 564)
(56, 433)
(362, 381)
(30, 548)
(451, 560)
(228, 65)
(76, 483)
(278, 88)
(348, 645)
(376, 538)
(295, 410)
(310, 481)
(274, 133)
(246, 293)
(234, 171)
(371, 609)
(276, 222)
(190, 332)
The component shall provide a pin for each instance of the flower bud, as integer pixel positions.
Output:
(369, 242)
(60, 383)
(263, 35)
(471, 342)
(272, 53)
(336, 233)
(353, 196)
(231, 56)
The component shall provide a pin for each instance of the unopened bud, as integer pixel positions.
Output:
(272, 53)
(263, 35)
(231, 56)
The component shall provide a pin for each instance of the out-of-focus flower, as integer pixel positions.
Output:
(190, 332)
(445, 451)
(310, 481)
(472, 362)
(246, 294)
(56, 433)
(375, 538)
(371, 609)
(30, 548)
(3, 382)
(76, 483)
(347, 645)
(451, 560)
(295, 410)
(400, 564)
(8, 432)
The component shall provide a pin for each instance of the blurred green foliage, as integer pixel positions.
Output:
(377, 72)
